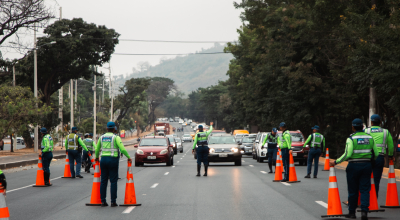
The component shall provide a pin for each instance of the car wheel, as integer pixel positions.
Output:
(238, 163)
(175, 151)
(169, 162)
(258, 159)
(172, 161)
(261, 160)
(137, 164)
(181, 151)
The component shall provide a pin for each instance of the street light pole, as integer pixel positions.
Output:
(72, 102)
(111, 95)
(94, 109)
(36, 141)
(60, 95)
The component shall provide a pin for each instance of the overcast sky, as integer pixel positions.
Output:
(175, 20)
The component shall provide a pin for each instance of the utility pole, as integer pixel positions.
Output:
(111, 95)
(94, 109)
(36, 141)
(72, 102)
(372, 93)
(60, 96)
(14, 143)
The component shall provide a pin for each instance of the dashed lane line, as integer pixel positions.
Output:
(166, 173)
(128, 210)
(323, 204)
(251, 165)
(263, 172)
(154, 185)
(8, 191)
(173, 166)
(243, 161)
(286, 184)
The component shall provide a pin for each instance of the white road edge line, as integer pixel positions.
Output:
(286, 184)
(173, 166)
(323, 204)
(154, 185)
(263, 172)
(166, 173)
(251, 165)
(8, 191)
(243, 161)
(128, 210)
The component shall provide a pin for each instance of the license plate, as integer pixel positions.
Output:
(151, 157)
(294, 154)
(223, 155)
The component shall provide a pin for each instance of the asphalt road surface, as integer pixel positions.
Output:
(229, 192)
(8, 146)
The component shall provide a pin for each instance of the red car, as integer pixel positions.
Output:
(154, 149)
(300, 154)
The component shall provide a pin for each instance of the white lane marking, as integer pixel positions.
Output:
(173, 166)
(181, 158)
(322, 203)
(286, 184)
(166, 173)
(263, 172)
(8, 191)
(154, 185)
(128, 210)
(178, 162)
(243, 161)
(251, 165)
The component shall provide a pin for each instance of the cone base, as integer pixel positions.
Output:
(393, 207)
(40, 186)
(90, 204)
(67, 177)
(333, 216)
(137, 204)
(324, 170)
(276, 180)
(377, 210)
(298, 181)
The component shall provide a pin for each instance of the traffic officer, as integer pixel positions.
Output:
(384, 142)
(271, 139)
(109, 144)
(317, 143)
(202, 150)
(74, 145)
(46, 154)
(3, 182)
(285, 144)
(90, 145)
(360, 151)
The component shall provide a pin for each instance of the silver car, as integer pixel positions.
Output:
(179, 144)
(223, 148)
(187, 138)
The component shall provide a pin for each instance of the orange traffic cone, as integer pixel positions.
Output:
(40, 174)
(130, 195)
(278, 168)
(4, 213)
(326, 167)
(292, 170)
(280, 158)
(91, 159)
(373, 200)
(334, 206)
(392, 197)
(95, 198)
(67, 169)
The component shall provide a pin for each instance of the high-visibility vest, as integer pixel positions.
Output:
(272, 141)
(108, 146)
(89, 143)
(283, 141)
(363, 145)
(72, 141)
(51, 143)
(377, 134)
(317, 140)
(202, 138)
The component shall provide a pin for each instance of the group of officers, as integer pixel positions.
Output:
(109, 148)
(365, 152)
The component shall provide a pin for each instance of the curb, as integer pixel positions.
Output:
(25, 162)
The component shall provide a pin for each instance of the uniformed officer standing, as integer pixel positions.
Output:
(317, 143)
(271, 139)
(202, 150)
(360, 151)
(285, 144)
(46, 154)
(384, 142)
(90, 145)
(109, 144)
(74, 145)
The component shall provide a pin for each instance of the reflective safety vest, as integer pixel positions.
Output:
(72, 141)
(363, 145)
(283, 141)
(51, 143)
(376, 132)
(272, 141)
(317, 140)
(202, 138)
(89, 143)
(108, 146)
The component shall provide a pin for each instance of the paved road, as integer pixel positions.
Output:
(8, 146)
(229, 192)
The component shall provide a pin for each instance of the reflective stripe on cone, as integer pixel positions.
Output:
(4, 213)
(278, 168)
(40, 175)
(334, 206)
(326, 166)
(95, 199)
(130, 195)
(392, 196)
(67, 170)
(292, 170)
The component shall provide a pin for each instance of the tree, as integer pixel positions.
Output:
(17, 110)
(17, 14)
(143, 66)
(159, 89)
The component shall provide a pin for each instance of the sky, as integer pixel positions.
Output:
(171, 20)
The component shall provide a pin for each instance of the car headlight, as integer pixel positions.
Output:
(212, 150)
(164, 151)
(139, 152)
(234, 149)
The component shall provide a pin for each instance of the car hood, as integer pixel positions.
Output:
(247, 144)
(297, 143)
(152, 149)
(222, 145)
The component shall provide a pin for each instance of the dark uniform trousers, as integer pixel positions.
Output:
(313, 155)
(359, 180)
(202, 155)
(46, 160)
(378, 170)
(285, 161)
(109, 170)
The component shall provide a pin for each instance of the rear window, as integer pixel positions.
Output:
(153, 142)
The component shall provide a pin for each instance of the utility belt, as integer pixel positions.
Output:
(381, 154)
(202, 143)
(362, 160)
(73, 148)
(272, 146)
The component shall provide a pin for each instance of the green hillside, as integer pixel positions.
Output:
(193, 71)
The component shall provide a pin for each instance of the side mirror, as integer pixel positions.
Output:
(135, 146)
(257, 141)
(171, 145)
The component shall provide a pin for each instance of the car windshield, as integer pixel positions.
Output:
(239, 136)
(171, 139)
(221, 140)
(249, 139)
(187, 135)
(177, 139)
(296, 137)
(153, 142)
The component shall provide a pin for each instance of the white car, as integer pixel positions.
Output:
(260, 154)
(187, 138)
(180, 121)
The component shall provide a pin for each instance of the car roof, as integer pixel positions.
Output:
(153, 137)
(222, 135)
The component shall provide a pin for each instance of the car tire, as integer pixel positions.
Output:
(261, 160)
(172, 161)
(258, 159)
(238, 163)
(137, 164)
(175, 151)
(169, 162)
(181, 151)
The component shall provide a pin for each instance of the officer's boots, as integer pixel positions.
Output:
(364, 215)
(205, 170)
(47, 179)
(352, 214)
(270, 167)
(198, 170)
